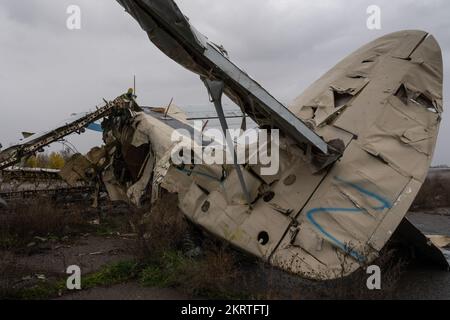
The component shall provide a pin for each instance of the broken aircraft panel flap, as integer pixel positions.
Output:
(424, 247)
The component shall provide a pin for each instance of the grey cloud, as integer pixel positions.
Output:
(48, 72)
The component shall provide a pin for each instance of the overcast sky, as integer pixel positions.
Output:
(48, 72)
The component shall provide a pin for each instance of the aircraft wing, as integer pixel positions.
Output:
(172, 33)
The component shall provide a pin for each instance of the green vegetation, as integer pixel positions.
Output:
(107, 276)
(46, 220)
(168, 253)
(161, 259)
(54, 160)
(167, 272)
(113, 274)
(174, 270)
(214, 275)
(40, 218)
(40, 291)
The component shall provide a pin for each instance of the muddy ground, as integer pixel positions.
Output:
(418, 281)
(107, 247)
(47, 261)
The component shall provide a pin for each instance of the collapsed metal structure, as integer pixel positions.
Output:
(36, 142)
(21, 182)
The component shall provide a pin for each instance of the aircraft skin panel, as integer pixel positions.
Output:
(366, 195)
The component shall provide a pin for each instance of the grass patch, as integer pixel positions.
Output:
(40, 291)
(26, 220)
(165, 239)
(29, 219)
(167, 272)
(111, 275)
(211, 276)
(221, 273)
(164, 260)
(107, 276)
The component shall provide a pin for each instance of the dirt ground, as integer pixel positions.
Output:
(49, 260)
(128, 291)
(44, 260)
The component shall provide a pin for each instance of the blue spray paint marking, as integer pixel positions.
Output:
(95, 127)
(384, 204)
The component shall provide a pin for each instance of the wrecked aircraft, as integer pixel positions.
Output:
(354, 150)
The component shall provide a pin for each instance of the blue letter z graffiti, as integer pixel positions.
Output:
(384, 204)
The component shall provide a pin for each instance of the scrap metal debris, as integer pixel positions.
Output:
(36, 142)
(21, 182)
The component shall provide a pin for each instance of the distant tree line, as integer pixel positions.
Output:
(53, 160)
